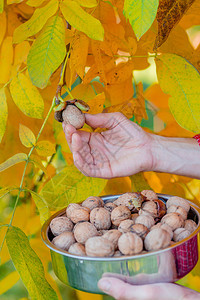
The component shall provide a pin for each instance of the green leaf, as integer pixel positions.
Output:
(87, 3)
(26, 136)
(3, 113)
(179, 79)
(139, 182)
(81, 20)
(27, 97)
(70, 185)
(42, 206)
(28, 265)
(1, 6)
(141, 14)
(45, 148)
(15, 159)
(47, 52)
(36, 22)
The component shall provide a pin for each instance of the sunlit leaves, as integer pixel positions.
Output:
(181, 81)
(141, 14)
(47, 52)
(15, 159)
(87, 3)
(1, 6)
(169, 14)
(41, 205)
(36, 22)
(28, 265)
(3, 25)
(45, 148)
(3, 112)
(96, 104)
(6, 59)
(8, 282)
(35, 3)
(26, 96)
(81, 20)
(68, 186)
(26, 136)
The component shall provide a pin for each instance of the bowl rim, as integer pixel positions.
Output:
(50, 245)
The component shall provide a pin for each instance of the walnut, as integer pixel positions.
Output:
(147, 221)
(84, 231)
(134, 216)
(74, 116)
(77, 249)
(80, 214)
(180, 234)
(109, 206)
(178, 201)
(130, 200)
(70, 208)
(99, 246)
(179, 210)
(149, 208)
(161, 208)
(102, 232)
(157, 239)
(173, 219)
(100, 218)
(60, 224)
(64, 240)
(163, 226)
(149, 194)
(140, 229)
(113, 236)
(130, 243)
(119, 214)
(93, 202)
(190, 225)
(125, 226)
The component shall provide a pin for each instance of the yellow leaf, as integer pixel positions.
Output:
(98, 60)
(96, 104)
(78, 56)
(116, 186)
(120, 73)
(139, 182)
(181, 81)
(28, 265)
(38, 163)
(15, 159)
(47, 52)
(45, 148)
(6, 59)
(21, 53)
(127, 108)
(26, 96)
(83, 296)
(36, 22)
(70, 185)
(26, 136)
(81, 20)
(140, 110)
(1, 6)
(7, 282)
(121, 92)
(42, 206)
(87, 3)
(3, 25)
(169, 14)
(35, 3)
(3, 113)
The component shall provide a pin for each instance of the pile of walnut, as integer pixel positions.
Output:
(132, 224)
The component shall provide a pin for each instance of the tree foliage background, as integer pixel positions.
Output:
(137, 57)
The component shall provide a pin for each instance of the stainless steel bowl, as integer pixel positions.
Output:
(166, 265)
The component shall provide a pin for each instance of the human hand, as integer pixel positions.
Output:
(122, 150)
(157, 291)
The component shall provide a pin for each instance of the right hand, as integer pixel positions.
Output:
(122, 150)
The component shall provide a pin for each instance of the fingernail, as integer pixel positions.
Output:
(104, 285)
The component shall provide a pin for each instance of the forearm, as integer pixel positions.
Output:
(179, 156)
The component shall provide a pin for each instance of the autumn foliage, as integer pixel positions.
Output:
(55, 50)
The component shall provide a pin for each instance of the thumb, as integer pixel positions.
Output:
(105, 120)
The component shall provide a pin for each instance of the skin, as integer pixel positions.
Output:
(125, 149)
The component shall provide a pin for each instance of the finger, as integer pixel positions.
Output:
(104, 120)
(123, 291)
(69, 130)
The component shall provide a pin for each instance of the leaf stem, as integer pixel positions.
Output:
(68, 91)
(24, 172)
(9, 81)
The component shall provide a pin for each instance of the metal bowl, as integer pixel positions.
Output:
(166, 265)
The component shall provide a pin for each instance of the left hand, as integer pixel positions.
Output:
(157, 291)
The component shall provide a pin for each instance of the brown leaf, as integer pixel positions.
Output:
(169, 14)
